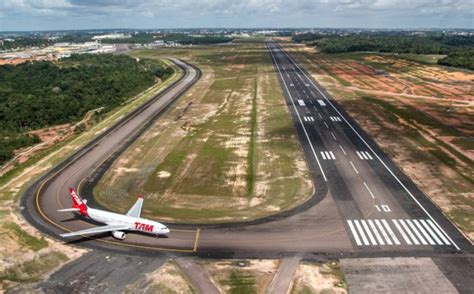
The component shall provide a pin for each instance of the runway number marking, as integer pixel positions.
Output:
(301, 102)
(327, 155)
(364, 155)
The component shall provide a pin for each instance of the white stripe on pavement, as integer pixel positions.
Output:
(390, 232)
(354, 232)
(414, 230)
(361, 233)
(368, 189)
(384, 234)
(400, 230)
(360, 156)
(322, 154)
(376, 233)
(415, 240)
(369, 233)
(368, 154)
(332, 155)
(423, 232)
(355, 169)
(342, 149)
(431, 232)
(438, 232)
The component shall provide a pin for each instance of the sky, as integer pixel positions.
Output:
(21, 15)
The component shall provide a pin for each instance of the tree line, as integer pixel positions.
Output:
(40, 94)
(458, 48)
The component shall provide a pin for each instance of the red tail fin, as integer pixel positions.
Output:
(78, 202)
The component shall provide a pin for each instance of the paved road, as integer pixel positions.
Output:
(284, 276)
(362, 202)
(44, 198)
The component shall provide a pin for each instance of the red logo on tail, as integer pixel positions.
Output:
(77, 202)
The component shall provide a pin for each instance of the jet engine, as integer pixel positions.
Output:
(119, 235)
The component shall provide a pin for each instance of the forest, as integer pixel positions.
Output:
(35, 95)
(184, 39)
(458, 48)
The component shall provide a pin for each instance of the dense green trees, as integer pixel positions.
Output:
(458, 48)
(40, 94)
(185, 39)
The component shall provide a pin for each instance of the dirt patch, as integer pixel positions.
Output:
(318, 278)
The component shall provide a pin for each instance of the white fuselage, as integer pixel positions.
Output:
(134, 223)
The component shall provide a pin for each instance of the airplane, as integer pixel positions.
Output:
(115, 223)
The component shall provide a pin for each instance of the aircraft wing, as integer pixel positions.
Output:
(96, 230)
(136, 209)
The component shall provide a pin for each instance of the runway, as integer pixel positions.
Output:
(362, 203)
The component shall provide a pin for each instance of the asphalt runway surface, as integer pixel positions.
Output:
(362, 203)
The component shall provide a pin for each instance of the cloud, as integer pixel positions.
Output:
(178, 13)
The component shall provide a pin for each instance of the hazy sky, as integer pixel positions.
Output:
(88, 14)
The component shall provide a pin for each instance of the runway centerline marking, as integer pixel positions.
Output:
(368, 189)
(342, 149)
(439, 228)
(299, 117)
(353, 167)
(334, 136)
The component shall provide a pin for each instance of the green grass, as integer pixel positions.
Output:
(241, 283)
(422, 58)
(25, 239)
(32, 270)
(202, 160)
(251, 152)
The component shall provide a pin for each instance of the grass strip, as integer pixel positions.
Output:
(251, 152)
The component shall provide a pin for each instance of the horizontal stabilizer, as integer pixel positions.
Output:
(97, 230)
(68, 209)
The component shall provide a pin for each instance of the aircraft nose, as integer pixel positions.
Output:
(165, 230)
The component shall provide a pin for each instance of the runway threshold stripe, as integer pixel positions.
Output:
(431, 232)
(332, 155)
(384, 234)
(361, 232)
(354, 233)
(404, 225)
(358, 154)
(368, 154)
(376, 233)
(423, 232)
(390, 232)
(322, 154)
(404, 236)
(369, 233)
(439, 232)
(363, 155)
(418, 235)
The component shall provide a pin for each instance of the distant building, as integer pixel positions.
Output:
(111, 36)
